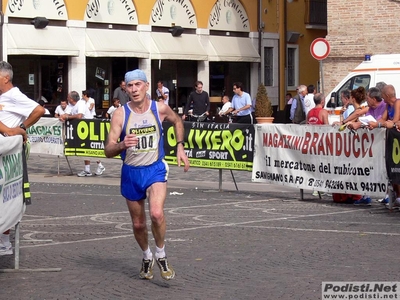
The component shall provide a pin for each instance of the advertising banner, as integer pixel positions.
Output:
(393, 155)
(46, 137)
(86, 137)
(208, 145)
(321, 158)
(213, 145)
(11, 182)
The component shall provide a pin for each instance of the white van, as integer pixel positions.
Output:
(374, 69)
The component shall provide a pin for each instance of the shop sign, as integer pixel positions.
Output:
(173, 12)
(228, 16)
(111, 11)
(51, 9)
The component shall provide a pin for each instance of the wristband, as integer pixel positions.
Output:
(22, 126)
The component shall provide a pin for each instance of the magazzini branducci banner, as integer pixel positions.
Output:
(321, 158)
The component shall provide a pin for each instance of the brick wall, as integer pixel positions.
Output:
(369, 27)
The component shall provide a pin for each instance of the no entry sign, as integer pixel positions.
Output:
(320, 48)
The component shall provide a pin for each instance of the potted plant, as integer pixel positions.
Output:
(263, 110)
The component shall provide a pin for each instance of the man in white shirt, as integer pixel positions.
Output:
(17, 113)
(309, 99)
(162, 92)
(81, 111)
(115, 104)
(226, 106)
(62, 108)
(89, 103)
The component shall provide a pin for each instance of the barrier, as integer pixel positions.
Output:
(47, 137)
(306, 157)
(12, 206)
(321, 158)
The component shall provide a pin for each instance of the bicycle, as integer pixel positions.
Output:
(198, 118)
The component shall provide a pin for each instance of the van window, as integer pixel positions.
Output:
(351, 84)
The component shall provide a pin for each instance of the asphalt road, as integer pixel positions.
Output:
(261, 242)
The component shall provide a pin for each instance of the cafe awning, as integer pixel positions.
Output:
(184, 47)
(232, 49)
(27, 40)
(114, 43)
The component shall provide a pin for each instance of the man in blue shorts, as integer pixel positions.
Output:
(136, 134)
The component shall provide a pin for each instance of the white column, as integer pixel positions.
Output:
(77, 64)
(145, 63)
(203, 67)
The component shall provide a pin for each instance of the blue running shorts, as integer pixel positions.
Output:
(136, 180)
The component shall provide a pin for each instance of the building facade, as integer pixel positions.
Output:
(56, 46)
(289, 27)
(357, 28)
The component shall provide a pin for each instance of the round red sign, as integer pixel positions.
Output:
(320, 48)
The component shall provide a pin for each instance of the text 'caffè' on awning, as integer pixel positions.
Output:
(57, 46)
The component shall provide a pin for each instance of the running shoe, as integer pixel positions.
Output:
(165, 268)
(84, 174)
(100, 170)
(146, 272)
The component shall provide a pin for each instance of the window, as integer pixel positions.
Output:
(351, 84)
(268, 66)
(292, 67)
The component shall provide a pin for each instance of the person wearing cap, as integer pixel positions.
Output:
(136, 134)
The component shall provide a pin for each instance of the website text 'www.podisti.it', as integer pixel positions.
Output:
(360, 290)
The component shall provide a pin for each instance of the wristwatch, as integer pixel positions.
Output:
(22, 126)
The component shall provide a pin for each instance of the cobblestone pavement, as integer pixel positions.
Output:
(259, 243)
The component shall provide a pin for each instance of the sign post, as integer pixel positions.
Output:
(320, 50)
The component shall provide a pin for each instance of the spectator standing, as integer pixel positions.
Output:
(297, 111)
(357, 100)
(241, 105)
(89, 103)
(199, 100)
(120, 93)
(318, 115)
(62, 108)
(376, 106)
(80, 110)
(226, 106)
(115, 104)
(309, 99)
(162, 92)
(289, 100)
(144, 172)
(17, 113)
(347, 107)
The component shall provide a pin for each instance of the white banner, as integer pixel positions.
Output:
(46, 137)
(11, 185)
(321, 158)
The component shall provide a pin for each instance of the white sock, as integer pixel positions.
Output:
(87, 168)
(99, 164)
(160, 252)
(5, 239)
(147, 254)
